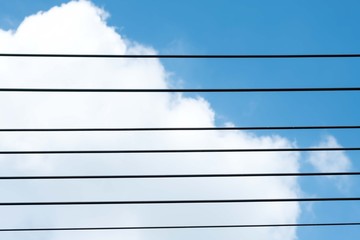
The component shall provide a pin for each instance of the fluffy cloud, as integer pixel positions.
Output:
(80, 27)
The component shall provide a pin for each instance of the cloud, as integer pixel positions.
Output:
(331, 161)
(80, 27)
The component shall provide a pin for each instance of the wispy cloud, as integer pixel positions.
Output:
(331, 161)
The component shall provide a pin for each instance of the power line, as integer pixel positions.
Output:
(181, 227)
(178, 129)
(179, 176)
(211, 201)
(166, 90)
(149, 151)
(340, 55)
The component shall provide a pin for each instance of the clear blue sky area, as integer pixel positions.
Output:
(256, 27)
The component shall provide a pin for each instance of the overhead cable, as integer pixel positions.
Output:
(180, 227)
(312, 127)
(58, 55)
(148, 151)
(169, 90)
(210, 201)
(233, 175)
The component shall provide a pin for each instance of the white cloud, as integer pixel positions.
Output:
(331, 161)
(80, 27)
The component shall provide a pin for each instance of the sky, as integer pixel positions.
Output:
(165, 27)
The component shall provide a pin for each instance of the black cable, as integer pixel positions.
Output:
(141, 151)
(149, 90)
(145, 202)
(340, 55)
(178, 129)
(179, 176)
(181, 227)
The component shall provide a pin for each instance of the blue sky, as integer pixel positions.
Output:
(256, 27)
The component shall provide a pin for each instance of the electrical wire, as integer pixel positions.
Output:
(181, 227)
(167, 90)
(53, 177)
(340, 55)
(210, 201)
(178, 129)
(149, 151)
